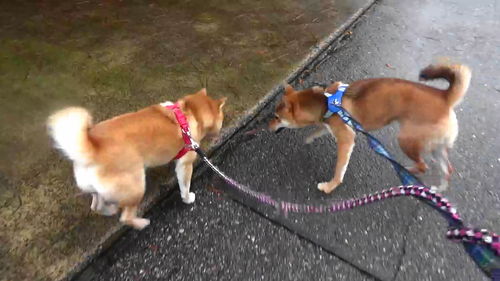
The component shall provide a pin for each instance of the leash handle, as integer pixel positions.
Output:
(482, 246)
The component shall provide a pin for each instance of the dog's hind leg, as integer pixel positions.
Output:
(83, 177)
(126, 189)
(129, 212)
(413, 147)
(129, 217)
(441, 155)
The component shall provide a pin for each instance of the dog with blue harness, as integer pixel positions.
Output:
(425, 115)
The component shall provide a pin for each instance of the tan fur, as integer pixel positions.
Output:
(425, 114)
(109, 157)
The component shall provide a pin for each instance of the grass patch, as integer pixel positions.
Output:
(114, 57)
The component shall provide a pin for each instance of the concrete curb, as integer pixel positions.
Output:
(316, 51)
(84, 271)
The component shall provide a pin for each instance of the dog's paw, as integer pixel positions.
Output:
(327, 187)
(108, 210)
(190, 198)
(412, 169)
(322, 186)
(140, 223)
(440, 188)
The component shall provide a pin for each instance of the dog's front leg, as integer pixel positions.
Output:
(184, 171)
(317, 133)
(345, 143)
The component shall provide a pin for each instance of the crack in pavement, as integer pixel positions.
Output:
(405, 241)
(303, 237)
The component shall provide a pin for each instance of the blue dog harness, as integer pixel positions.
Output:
(334, 104)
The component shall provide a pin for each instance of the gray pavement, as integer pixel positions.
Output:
(401, 239)
(215, 239)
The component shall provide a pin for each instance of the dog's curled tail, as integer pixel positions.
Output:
(457, 75)
(69, 129)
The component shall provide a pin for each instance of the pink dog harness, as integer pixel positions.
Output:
(181, 119)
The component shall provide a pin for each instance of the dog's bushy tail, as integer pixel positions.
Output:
(69, 129)
(457, 75)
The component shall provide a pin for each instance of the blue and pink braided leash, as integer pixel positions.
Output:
(482, 245)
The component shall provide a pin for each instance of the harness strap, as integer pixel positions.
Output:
(182, 120)
(335, 100)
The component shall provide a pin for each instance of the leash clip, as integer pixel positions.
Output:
(194, 145)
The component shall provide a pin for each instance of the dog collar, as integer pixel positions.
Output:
(334, 101)
(182, 120)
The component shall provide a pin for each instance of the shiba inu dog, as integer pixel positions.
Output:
(425, 114)
(110, 157)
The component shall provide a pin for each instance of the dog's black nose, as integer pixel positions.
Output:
(279, 130)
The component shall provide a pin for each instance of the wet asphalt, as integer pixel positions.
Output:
(226, 236)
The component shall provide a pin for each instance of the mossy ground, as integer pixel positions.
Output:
(113, 57)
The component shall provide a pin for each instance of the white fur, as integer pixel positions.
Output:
(86, 177)
(167, 103)
(68, 128)
(453, 129)
(323, 186)
(184, 185)
(88, 181)
(463, 76)
(284, 124)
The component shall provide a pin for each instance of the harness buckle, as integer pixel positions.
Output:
(194, 145)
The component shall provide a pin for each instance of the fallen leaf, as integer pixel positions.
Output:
(214, 190)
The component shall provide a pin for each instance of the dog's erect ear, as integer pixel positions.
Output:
(333, 87)
(203, 91)
(288, 89)
(222, 102)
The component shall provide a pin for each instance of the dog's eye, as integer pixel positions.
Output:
(276, 116)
